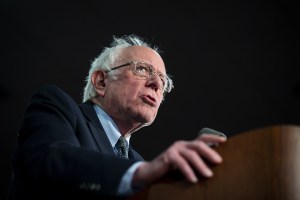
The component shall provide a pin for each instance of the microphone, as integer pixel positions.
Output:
(211, 132)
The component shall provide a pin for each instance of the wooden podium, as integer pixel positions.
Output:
(258, 165)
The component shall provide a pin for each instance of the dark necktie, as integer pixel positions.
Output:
(122, 148)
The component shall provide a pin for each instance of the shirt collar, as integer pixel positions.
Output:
(109, 126)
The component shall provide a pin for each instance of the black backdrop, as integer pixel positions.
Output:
(234, 63)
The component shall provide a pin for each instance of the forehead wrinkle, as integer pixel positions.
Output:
(143, 54)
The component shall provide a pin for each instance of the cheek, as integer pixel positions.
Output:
(128, 97)
(130, 91)
(161, 97)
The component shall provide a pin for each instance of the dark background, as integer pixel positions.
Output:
(234, 63)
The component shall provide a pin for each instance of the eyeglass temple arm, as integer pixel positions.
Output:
(126, 64)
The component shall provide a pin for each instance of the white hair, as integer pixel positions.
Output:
(108, 57)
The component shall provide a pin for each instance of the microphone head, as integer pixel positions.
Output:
(212, 132)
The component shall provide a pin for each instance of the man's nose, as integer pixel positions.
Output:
(155, 82)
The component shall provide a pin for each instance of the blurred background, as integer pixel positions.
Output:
(234, 63)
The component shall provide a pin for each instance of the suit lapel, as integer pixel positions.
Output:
(96, 128)
(99, 134)
(134, 155)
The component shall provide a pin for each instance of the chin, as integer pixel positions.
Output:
(143, 115)
(145, 118)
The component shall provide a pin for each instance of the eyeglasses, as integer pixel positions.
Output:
(146, 71)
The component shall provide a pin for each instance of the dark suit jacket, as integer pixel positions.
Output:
(63, 151)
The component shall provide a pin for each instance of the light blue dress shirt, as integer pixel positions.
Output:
(113, 135)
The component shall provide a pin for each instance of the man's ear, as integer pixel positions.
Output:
(98, 78)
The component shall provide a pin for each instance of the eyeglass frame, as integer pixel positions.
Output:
(167, 83)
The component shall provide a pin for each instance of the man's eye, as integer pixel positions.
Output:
(142, 69)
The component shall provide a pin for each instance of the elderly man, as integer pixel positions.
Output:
(67, 150)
